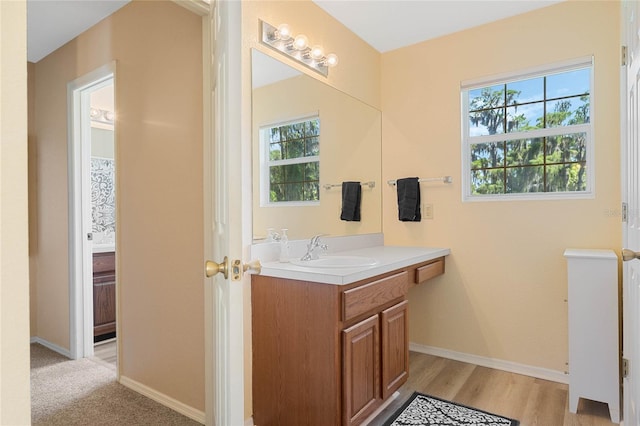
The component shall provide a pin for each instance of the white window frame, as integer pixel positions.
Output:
(588, 128)
(266, 164)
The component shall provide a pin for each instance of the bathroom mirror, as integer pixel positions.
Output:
(341, 132)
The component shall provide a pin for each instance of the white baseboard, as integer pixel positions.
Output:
(498, 364)
(163, 399)
(52, 346)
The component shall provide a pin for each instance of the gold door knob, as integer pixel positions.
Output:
(253, 266)
(630, 255)
(212, 268)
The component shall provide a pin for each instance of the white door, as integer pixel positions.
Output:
(631, 196)
(224, 340)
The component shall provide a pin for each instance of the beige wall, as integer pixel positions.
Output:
(33, 195)
(15, 400)
(504, 290)
(157, 47)
(350, 144)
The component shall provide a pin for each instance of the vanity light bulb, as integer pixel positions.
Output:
(317, 52)
(332, 60)
(301, 42)
(109, 116)
(94, 113)
(284, 32)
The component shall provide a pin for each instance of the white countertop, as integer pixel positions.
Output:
(103, 248)
(389, 258)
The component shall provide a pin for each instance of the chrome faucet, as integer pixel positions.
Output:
(314, 243)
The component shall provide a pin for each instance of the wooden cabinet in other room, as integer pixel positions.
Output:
(104, 295)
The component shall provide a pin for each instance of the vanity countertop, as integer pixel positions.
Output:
(388, 258)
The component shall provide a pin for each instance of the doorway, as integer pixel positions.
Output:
(92, 189)
(103, 219)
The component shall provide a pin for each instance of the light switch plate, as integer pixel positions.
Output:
(428, 211)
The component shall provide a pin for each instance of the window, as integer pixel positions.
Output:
(291, 162)
(529, 136)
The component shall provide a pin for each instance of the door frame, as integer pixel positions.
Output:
(79, 187)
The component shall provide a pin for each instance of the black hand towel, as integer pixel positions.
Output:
(351, 194)
(408, 199)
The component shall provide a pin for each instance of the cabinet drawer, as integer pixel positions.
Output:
(104, 262)
(426, 272)
(368, 297)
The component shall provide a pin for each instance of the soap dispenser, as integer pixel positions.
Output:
(284, 246)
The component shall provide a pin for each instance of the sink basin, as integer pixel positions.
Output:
(336, 262)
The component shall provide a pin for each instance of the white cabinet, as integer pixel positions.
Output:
(594, 348)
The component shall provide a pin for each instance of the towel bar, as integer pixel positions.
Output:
(444, 179)
(370, 184)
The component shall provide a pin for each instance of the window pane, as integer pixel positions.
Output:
(294, 149)
(486, 110)
(487, 155)
(527, 90)
(312, 146)
(274, 134)
(487, 181)
(525, 179)
(312, 171)
(486, 122)
(569, 111)
(275, 151)
(311, 191)
(525, 117)
(486, 97)
(276, 192)
(312, 127)
(292, 131)
(525, 152)
(569, 83)
(567, 148)
(567, 177)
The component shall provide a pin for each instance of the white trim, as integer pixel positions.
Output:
(52, 346)
(163, 399)
(498, 364)
(249, 422)
(80, 303)
(537, 71)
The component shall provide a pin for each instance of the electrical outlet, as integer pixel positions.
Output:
(428, 211)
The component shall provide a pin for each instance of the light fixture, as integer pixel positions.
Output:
(297, 47)
(101, 115)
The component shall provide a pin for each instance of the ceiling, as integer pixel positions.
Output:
(384, 24)
(390, 24)
(53, 23)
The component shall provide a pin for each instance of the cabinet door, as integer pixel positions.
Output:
(361, 361)
(395, 348)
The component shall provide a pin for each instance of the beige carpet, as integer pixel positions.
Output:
(85, 392)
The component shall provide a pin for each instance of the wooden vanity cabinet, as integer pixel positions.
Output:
(328, 354)
(104, 295)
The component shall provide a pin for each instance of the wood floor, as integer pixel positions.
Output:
(534, 402)
(106, 351)
(530, 400)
